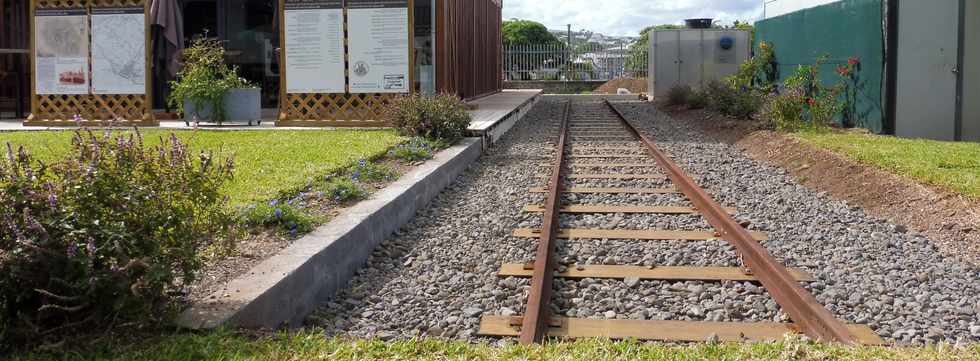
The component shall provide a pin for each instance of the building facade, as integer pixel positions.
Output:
(456, 47)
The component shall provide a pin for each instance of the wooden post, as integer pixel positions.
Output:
(148, 116)
(282, 59)
(411, 46)
(33, 69)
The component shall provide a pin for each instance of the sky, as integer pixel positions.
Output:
(628, 17)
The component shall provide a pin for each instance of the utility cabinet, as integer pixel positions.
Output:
(693, 57)
(938, 70)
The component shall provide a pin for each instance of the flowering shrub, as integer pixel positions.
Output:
(107, 233)
(849, 83)
(343, 190)
(370, 172)
(805, 102)
(759, 72)
(415, 149)
(287, 216)
(441, 117)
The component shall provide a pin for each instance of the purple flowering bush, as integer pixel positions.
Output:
(440, 117)
(110, 232)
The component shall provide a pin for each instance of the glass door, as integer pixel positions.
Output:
(14, 65)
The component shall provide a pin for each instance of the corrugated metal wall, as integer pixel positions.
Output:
(469, 47)
(839, 30)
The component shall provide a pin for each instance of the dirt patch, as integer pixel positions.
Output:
(950, 220)
(635, 86)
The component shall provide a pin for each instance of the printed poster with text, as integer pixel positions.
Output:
(378, 43)
(314, 46)
(118, 51)
(61, 51)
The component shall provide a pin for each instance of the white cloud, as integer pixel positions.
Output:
(628, 17)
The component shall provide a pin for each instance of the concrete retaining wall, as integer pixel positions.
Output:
(284, 289)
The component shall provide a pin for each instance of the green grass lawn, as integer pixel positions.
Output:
(225, 346)
(954, 166)
(267, 163)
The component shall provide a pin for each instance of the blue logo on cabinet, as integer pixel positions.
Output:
(727, 42)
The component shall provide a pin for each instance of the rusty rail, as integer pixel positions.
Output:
(814, 320)
(537, 315)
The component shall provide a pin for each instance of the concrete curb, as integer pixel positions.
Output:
(284, 289)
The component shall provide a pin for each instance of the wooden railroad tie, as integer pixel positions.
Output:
(664, 273)
(608, 176)
(574, 156)
(640, 165)
(640, 234)
(588, 190)
(670, 331)
(605, 208)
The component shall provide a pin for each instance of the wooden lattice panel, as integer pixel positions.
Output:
(334, 110)
(94, 109)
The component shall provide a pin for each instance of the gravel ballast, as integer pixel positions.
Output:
(437, 276)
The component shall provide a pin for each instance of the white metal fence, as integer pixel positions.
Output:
(592, 61)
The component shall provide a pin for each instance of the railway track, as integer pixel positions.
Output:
(597, 144)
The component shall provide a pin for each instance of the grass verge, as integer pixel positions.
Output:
(311, 345)
(954, 166)
(268, 164)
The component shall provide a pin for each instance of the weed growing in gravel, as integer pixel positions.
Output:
(344, 190)
(371, 172)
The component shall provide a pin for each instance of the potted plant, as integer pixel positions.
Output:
(207, 89)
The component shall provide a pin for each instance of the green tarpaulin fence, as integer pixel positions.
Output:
(840, 30)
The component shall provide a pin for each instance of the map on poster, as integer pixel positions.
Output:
(118, 51)
(61, 51)
(314, 46)
(378, 43)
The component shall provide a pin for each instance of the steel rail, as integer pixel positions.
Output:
(537, 315)
(814, 320)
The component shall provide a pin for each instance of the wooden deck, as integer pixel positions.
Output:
(497, 113)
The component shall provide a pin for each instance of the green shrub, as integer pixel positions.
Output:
(108, 233)
(370, 172)
(286, 216)
(697, 100)
(745, 104)
(725, 99)
(678, 95)
(719, 96)
(205, 79)
(440, 117)
(758, 73)
(415, 149)
(344, 190)
(785, 110)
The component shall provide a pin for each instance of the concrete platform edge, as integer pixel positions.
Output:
(282, 290)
